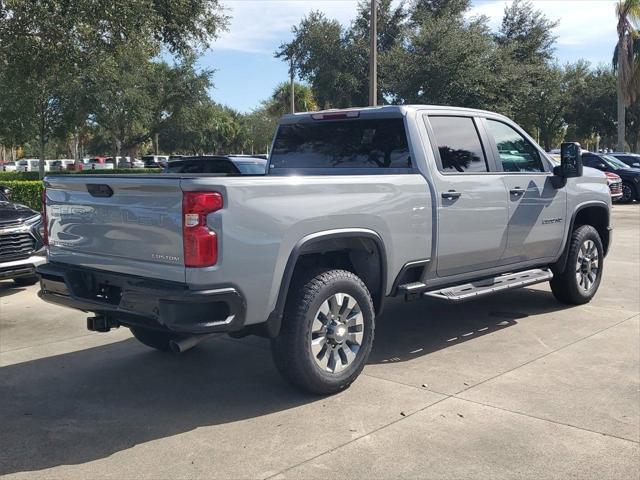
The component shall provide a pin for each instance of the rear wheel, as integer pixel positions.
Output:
(327, 332)
(26, 281)
(582, 275)
(154, 338)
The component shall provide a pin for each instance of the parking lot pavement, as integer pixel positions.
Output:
(513, 386)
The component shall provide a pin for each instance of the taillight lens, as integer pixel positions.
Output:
(44, 232)
(200, 243)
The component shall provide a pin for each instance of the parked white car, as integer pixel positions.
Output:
(8, 167)
(27, 165)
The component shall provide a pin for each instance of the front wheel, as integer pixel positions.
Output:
(628, 193)
(327, 332)
(579, 281)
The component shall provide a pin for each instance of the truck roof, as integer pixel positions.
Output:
(383, 110)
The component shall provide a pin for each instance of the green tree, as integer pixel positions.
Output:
(421, 10)
(446, 60)
(525, 40)
(280, 101)
(175, 88)
(592, 108)
(320, 57)
(527, 32)
(628, 14)
(45, 43)
(124, 100)
(261, 126)
(335, 60)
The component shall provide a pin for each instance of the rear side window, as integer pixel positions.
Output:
(459, 145)
(379, 144)
(516, 153)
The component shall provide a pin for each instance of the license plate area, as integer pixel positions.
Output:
(106, 293)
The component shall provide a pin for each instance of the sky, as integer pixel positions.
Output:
(246, 71)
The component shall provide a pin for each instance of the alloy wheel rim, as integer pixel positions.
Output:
(626, 193)
(587, 265)
(337, 333)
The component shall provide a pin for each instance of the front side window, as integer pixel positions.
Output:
(516, 153)
(593, 161)
(379, 143)
(459, 145)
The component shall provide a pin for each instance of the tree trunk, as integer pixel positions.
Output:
(621, 104)
(43, 143)
(156, 141)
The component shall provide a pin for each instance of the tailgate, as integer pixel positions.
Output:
(127, 224)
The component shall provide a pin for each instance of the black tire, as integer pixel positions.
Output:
(565, 285)
(26, 281)
(154, 338)
(292, 350)
(628, 193)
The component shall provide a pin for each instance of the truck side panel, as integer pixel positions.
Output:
(263, 220)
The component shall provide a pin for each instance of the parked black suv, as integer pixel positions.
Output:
(606, 163)
(631, 159)
(21, 244)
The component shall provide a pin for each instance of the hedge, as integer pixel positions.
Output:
(27, 192)
(35, 176)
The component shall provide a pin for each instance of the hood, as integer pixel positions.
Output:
(593, 172)
(628, 173)
(14, 213)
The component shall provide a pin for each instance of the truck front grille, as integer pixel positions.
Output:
(16, 246)
(615, 188)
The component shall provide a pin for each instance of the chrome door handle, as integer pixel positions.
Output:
(451, 194)
(516, 191)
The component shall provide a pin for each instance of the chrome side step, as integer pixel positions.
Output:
(488, 286)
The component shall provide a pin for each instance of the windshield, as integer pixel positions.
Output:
(614, 162)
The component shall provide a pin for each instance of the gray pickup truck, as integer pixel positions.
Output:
(356, 206)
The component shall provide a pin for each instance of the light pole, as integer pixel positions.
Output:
(293, 89)
(373, 56)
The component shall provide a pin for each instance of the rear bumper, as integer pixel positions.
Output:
(21, 268)
(135, 301)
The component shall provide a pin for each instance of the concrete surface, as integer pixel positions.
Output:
(513, 386)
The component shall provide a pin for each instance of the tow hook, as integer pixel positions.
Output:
(101, 323)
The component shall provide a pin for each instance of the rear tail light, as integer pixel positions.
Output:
(200, 243)
(43, 231)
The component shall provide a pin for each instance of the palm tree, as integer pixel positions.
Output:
(628, 13)
(280, 101)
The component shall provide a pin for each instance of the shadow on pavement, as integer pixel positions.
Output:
(89, 404)
(409, 330)
(7, 287)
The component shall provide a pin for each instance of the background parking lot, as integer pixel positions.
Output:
(516, 385)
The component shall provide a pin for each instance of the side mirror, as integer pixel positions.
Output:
(5, 192)
(570, 160)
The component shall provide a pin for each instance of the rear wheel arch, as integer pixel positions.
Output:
(360, 251)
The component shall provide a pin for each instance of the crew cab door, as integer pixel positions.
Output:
(537, 210)
(471, 198)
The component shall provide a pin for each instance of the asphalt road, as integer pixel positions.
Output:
(513, 386)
